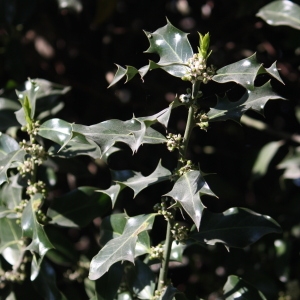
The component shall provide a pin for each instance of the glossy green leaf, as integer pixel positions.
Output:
(78, 207)
(112, 192)
(187, 191)
(11, 160)
(255, 100)
(236, 288)
(138, 182)
(235, 227)
(111, 281)
(244, 72)
(45, 282)
(142, 280)
(265, 155)
(7, 145)
(9, 104)
(177, 251)
(113, 226)
(56, 130)
(124, 296)
(122, 247)
(40, 243)
(172, 46)
(131, 132)
(11, 240)
(129, 72)
(11, 194)
(281, 13)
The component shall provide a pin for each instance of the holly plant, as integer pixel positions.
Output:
(33, 221)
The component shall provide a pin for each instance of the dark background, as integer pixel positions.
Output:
(78, 47)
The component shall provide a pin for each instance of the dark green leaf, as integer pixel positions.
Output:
(11, 160)
(177, 251)
(40, 243)
(255, 100)
(172, 46)
(122, 247)
(236, 288)
(281, 13)
(11, 194)
(244, 72)
(113, 227)
(235, 227)
(138, 182)
(45, 283)
(142, 280)
(187, 190)
(129, 72)
(111, 281)
(64, 252)
(170, 293)
(79, 207)
(11, 240)
(113, 192)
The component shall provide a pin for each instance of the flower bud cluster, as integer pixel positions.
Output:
(157, 252)
(32, 128)
(41, 217)
(36, 187)
(14, 276)
(180, 233)
(162, 209)
(158, 294)
(203, 121)
(19, 208)
(187, 167)
(185, 98)
(198, 70)
(174, 141)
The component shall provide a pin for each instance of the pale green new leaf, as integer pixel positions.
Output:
(122, 247)
(187, 191)
(40, 243)
(11, 160)
(281, 13)
(235, 227)
(138, 182)
(255, 100)
(236, 288)
(244, 72)
(10, 240)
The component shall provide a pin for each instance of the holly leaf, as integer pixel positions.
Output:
(235, 227)
(236, 288)
(112, 192)
(78, 207)
(32, 229)
(137, 182)
(7, 145)
(173, 48)
(11, 160)
(113, 226)
(187, 191)
(10, 240)
(45, 282)
(255, 100)
(141, 280)
(11, 194)
(244, 72)
(281, 13)
(131, 132)
(122, 247)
